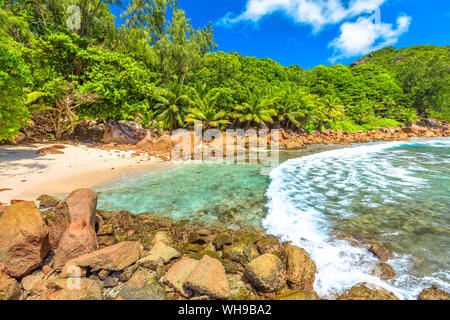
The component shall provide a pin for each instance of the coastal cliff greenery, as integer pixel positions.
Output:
(150, 65)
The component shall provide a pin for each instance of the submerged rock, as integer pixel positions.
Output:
(301, 269)
(23, 239)
(383, 271)
(434, 293)
(208, 278)
(367, 291)
(381, 251)
(267, 273)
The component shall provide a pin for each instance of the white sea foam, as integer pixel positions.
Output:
(298, 196)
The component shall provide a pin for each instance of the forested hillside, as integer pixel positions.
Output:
(153, 67)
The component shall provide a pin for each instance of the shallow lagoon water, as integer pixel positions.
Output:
(395, 192)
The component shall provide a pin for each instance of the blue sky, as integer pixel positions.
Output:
(313, 32)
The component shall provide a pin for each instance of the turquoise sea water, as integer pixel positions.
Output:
(395, 192)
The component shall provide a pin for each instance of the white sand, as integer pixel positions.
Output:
(29, 174)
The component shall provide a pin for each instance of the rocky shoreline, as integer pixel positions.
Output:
(130, 136)
(69, 250)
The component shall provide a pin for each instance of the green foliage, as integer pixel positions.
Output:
(14, 78)
(157, 69)
(427, 84)
(171, 106)
(122, 83)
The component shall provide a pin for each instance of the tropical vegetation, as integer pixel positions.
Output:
(151, 66)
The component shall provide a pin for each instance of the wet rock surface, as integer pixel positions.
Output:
(148, 257)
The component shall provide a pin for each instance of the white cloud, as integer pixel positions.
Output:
(316, 13)
(355, 38)
(363, 36)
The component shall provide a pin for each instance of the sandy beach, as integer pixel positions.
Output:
(29, 174)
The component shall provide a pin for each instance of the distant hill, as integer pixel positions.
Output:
(389, 57)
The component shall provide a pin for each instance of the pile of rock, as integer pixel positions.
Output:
(74, 252)
(295, 141)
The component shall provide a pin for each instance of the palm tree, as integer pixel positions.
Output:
(171, 107)
(257, 109)
(334, 109)
(204, 110)
(316, 110)
(289, 109)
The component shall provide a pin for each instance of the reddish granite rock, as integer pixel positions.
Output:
(294, 145)
(178, 273)
(73, 289)
(154, 146)
(9, 287)
(209, 278)
(120, 132)
(267, 273)
(3, 208)
(269, 245)
(79, 239)
(23, 239)
(49, 150)
(159, 255)
(113, 258)
(301, 269)
(35, 282)
(80, 205)
(367, 291)
(434, 293)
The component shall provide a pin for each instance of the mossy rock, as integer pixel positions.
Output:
(155, 222)
(47, 215)
(106, 241)
(269, 245)
(180, 224)
(241, 252)
(367, 291)
(245, 295)
(297, 295)
(106, 214)
(199, 255)
(47, 201)
(105, 230)
(434, 293)
(192, 247)
(223, 239)
(232, 266)
(194, 237)
(250, 238)
(126, 236)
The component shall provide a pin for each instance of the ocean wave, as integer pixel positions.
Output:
(305, 192)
